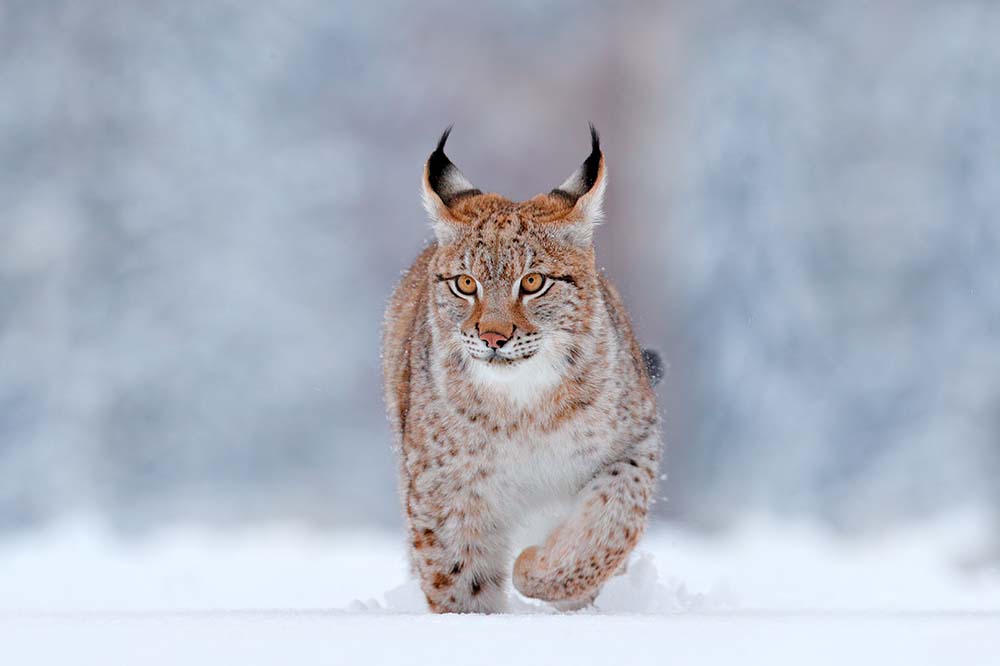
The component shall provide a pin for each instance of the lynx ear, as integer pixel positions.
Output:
(584, 192)
(444, 185)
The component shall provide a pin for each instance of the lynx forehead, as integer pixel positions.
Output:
(514, 385)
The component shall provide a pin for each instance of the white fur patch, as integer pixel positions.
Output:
(543, 516)
(524, 382)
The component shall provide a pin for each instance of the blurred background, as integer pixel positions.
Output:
(204, 207)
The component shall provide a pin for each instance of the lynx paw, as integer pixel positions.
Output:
(525, 580)
(563, 584)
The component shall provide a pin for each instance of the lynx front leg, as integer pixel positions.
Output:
(458, 553)
(593, 543)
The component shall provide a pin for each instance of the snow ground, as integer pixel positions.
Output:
(766, 593)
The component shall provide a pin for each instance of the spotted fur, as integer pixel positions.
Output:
(555, 431)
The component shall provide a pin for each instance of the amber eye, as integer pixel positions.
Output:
(531, 283)
(465, 284)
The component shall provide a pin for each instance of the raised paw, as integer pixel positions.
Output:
(569, 585)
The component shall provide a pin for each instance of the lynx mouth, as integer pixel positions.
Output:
(496, 360)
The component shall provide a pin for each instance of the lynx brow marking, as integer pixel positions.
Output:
(564, 278)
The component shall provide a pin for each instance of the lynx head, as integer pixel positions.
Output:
(514, 284)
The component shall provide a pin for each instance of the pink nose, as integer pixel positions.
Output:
(494, 340)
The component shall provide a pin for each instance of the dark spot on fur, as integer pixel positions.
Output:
(573, 355)
(440, 580)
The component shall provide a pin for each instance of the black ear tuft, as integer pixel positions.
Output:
(444, 177)
(583, 179)
(593, 161)
(438, 163)
(444, 139)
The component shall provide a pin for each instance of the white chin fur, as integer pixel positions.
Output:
(522, 382)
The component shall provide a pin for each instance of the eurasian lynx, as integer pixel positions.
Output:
(518, 396)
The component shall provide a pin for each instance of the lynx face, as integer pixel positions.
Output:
(506, 291)
(514, 282)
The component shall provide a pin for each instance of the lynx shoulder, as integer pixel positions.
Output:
(523, 412)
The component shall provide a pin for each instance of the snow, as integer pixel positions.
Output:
(338, 639)
(764, 592)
